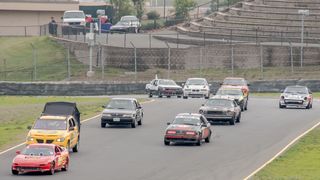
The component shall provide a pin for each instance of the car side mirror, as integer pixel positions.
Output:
(29, 127)
(168, 123)
(18, 152)
(71, 128)
(208, 125)
(58, 153)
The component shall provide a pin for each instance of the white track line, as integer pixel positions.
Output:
(279, 153)
(86, 120)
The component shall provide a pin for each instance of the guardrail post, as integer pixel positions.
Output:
(169, 58)
(25, 31)
(135, 61)
(261, 61)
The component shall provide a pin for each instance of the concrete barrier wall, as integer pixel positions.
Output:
(103, 88)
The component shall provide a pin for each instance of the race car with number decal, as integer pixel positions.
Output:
(297, 97)
(188, 128)
(237, 82)
(41, 158)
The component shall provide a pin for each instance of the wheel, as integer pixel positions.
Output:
(167, 143)
(168, 96)
(232, 121)
(160, 96)
(242, 107)
(238, 119)
(246, 107)
(150, 95)
(103, 125)
(178, 96)
(133, 124)
(140, 122)
(185, 97)
(76, 147)
(281, 107)
(308, 106)
(51, 172)
(207, 140)
(206, 97)
(198, 143)
(66, 166)
(15, 172)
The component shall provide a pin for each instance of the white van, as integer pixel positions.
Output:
(74, 22)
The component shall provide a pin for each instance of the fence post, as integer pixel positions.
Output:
(102, 63)
(125, 40)
(291, 56)
(169, 59)
(5, 69)
(177, 40)
(261, 61)
(135, 61)
(149, 40)
(232, 60)
(25, 31)
(107, 39)
(34, 57)
(68, 63)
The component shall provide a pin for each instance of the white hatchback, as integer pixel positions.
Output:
(196, 87)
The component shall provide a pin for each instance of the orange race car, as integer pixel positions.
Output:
(237, 82)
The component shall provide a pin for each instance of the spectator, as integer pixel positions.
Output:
(53, 27)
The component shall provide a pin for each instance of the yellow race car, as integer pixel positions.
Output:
(59, 124)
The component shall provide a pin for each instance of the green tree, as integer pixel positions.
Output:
(139, 6)
(182, 8)
(121, 8)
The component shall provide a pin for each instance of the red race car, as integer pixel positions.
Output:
(41, 158)
(188, 128)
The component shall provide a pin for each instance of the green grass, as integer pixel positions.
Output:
(302, 161)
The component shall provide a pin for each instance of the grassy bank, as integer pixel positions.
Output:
(16, 113)
(302, 161)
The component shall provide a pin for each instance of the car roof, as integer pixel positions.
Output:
(196, 78)
(129, 99)
(74, 11)
(189, 114)
(234, 78)
(297, 86)
(48, 117)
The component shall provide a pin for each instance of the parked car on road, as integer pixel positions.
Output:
(188, 128)
(41, 158)
(58, 124)
(234, 93)
(164, 87)
(196, 87)
(221, 109)
(122, 111)
(237, 82)
(297, 97)
(127, 24)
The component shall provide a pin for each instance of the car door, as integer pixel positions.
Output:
(140, 109)
(71, 132)
(204, 127)
(237, 108)
(58, 158)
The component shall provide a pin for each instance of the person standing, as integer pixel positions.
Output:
(53, 27)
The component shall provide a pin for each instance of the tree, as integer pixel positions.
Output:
(182, 8)
(121, 8)
(139, 6)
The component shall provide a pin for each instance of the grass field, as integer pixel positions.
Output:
(16, 113)
(302, 161)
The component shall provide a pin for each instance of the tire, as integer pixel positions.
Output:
(246, 107)
(198, 143)
(207, 140)
(51, 172)
(160, 96)
(168, 96)
(206, 97)
(76, 147)
(140, 122)
(14, 172)
(133, 124)
(238, 118)
(103, 125)
(166, 143)
(281, 107)
(185, 97)
(232, 121)
(66, 166)
(178, 96)
(150, 95)
(308, 106)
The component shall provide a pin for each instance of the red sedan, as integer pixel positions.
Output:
(41, 158)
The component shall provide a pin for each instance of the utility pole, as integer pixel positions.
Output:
(303, 14)
(90, 73)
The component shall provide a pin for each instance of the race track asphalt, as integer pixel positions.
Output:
(122, 153)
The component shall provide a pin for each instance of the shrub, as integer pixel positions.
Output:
(153, 15)
(150, 26)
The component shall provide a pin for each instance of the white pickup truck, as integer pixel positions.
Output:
(73, 22)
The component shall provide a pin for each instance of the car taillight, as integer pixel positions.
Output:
(191, 133)
(171, 132)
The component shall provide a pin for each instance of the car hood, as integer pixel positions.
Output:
(183, 127)
(230, 96)
(294, 96)
(68, 20)
(26, 159)
(47, 133)
(195, 87)
(119, 111)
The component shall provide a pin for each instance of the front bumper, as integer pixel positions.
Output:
(117, 120)
(181, 138)
(31, 168)
(195, 93)
(171, 93)
(294, 103)
(216, 118)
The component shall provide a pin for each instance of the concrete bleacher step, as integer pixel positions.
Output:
(287, 9)
(294, 3)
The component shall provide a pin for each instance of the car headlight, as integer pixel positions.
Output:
(61, 139)
(29, 138)
(229, 113)
(82, 23)
(129, 115)
(187, 89)
(106, 115)
(201, 111)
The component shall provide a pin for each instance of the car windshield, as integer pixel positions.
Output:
(120, 104)
(196, 82)
(73, 15)
(129, 18)
(38, 151)
(50, 124)
(187, 121)
(296, 90)
(219, 102)
(167, 82)
(231, 92)
(235, 82)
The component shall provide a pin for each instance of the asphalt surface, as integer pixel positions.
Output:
(122, 153)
